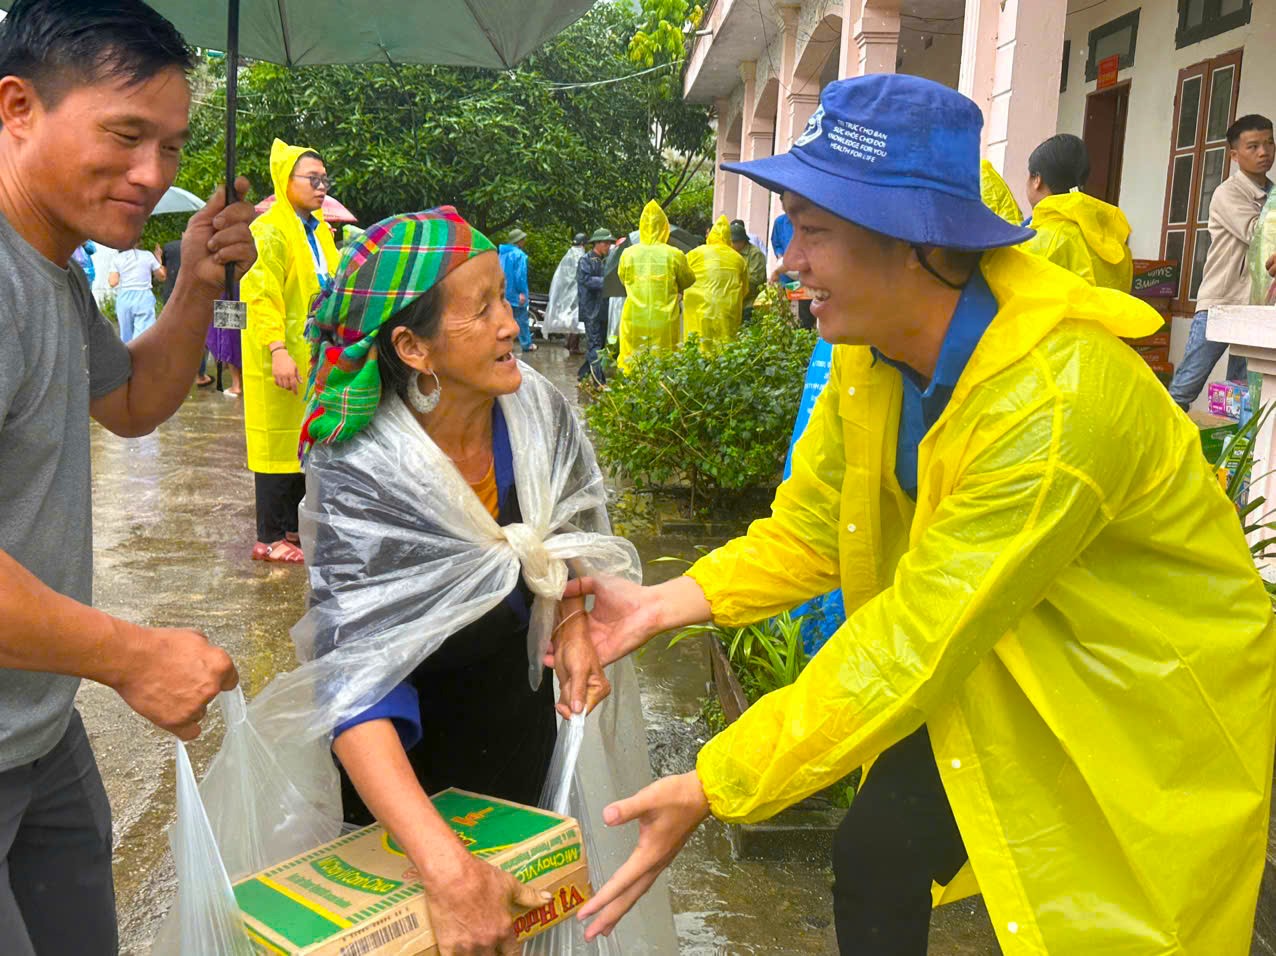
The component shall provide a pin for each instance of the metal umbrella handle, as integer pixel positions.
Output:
(228, 311)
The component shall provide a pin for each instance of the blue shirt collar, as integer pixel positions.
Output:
(974, 313)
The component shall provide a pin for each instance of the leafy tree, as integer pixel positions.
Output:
(661, 39)
(546, 147)
(526, 146)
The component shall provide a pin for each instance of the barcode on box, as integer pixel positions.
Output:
(380, 937)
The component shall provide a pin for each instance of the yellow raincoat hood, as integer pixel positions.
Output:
(653, 226)
(997, 195)
(653, 273)
(713, 306)
(1070, 608)
(1086, 236)
(278, 290)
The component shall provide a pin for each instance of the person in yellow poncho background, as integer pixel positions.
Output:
(1058, 655)
(296, 257)
(653, 273)
(713, 306)
(1085, 235)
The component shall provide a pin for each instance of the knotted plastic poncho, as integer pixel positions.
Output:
(402, 555)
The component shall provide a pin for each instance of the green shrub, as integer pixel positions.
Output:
(765, 656)
(715, 420)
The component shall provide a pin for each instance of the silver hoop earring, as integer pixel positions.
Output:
(422, 403)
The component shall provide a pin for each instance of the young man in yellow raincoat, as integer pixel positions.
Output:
(1085, 235)
(653, 273)
(713, 306)
(295, 258)
(1058, 655)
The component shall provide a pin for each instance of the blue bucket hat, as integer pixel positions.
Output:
(896, 154)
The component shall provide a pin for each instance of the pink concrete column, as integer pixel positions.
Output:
(979, 55)
(1024, 105)
(801, 106)
(724, 152)
(785, 130)
(877, 38)
(755, 139)
(754, 199)
(870, 39)
(726, 187)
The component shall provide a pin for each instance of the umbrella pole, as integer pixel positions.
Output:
(229, 312)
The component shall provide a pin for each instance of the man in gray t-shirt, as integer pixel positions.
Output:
(94, 108)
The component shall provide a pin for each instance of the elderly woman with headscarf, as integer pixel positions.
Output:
(448, 490)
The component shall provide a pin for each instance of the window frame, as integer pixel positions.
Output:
(1212, 22)
(1191, 229)
(1067, 61)
(1126, 60)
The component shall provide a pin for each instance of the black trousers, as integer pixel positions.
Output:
(56, 889)
(277, 499)
(898, 837)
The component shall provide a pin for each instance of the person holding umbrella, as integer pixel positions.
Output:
(296, 259)
(94, 110)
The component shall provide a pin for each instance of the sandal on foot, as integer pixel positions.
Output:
(285, 552)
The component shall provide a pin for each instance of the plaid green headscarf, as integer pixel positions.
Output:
(396, 261)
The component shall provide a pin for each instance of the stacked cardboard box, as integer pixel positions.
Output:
(1156, 282)
(361, 895)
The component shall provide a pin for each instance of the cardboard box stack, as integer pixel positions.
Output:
(1156, 282)
(361, 895)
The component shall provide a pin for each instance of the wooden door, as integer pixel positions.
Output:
(1104, 135)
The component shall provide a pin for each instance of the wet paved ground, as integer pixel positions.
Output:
(174, 525)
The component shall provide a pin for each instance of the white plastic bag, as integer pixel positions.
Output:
(205, 920)
(562, 795)
(256, 811)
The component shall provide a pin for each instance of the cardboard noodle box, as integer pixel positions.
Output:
(360, 896)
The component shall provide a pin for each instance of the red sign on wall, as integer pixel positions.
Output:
(1108, 68)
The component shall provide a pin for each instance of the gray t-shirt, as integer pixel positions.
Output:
(56, 351)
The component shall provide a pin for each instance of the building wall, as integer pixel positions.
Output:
(941, 63)
(1153, 80)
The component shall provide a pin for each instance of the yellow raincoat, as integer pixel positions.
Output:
(713, 306)
(1086, 236)
(997, 195)
(653, 272)
(1070, 607)
(278, 290)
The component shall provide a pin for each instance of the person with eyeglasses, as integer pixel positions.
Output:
(296, 260)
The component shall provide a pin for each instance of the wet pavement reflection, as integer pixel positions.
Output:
(173, 525)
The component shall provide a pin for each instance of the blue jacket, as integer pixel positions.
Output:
(514, 264)
(590, 301)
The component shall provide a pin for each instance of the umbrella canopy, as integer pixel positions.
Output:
(487, 33)
(177, 200)
(333, 211)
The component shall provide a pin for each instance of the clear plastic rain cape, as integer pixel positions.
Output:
(562, 314)
(402, 556)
